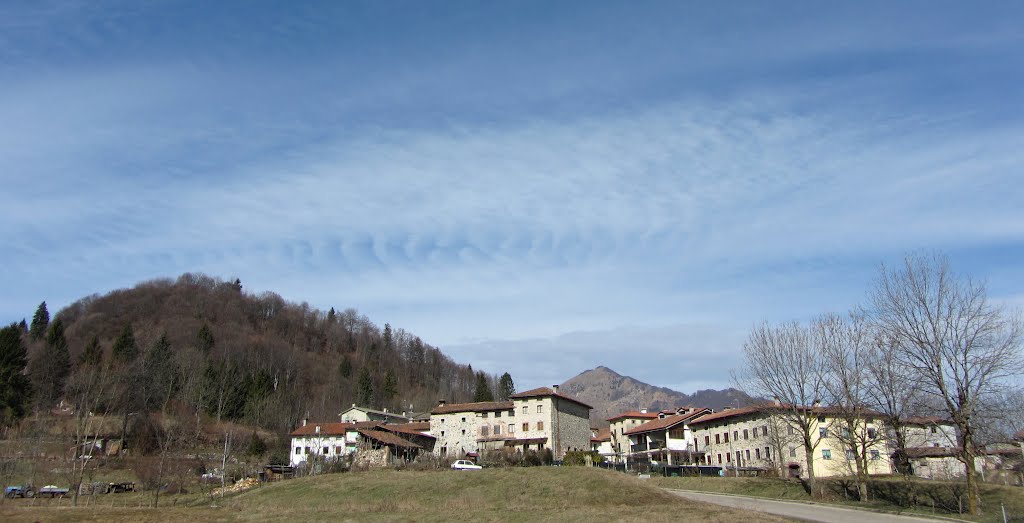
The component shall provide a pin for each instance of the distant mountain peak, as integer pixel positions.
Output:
(611, 393)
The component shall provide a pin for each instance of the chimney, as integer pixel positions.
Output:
(776, 402)
(555, 388)
(304, 421)
(440, 403)
(817, 403)
(643, 411)
(385, 410)
(353, 404)
(318, 429)
(661, 415)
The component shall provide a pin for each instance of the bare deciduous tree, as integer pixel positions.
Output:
(781, 362)
(959, 346)
(845, 343)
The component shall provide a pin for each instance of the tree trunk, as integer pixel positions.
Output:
(809, 453)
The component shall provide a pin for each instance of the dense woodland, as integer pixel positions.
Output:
(203, 348)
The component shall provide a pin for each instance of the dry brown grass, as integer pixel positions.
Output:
(566, 494)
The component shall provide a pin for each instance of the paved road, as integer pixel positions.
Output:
(804, 511)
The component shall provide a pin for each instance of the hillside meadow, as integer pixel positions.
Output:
(562, 494)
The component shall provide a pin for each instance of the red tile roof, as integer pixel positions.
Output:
(388, 438)
(326, 429)
(480, 406)
(635, 414)
(932, 452)
(602, 435)
(742, 411)
(545, 391)
(667, 422)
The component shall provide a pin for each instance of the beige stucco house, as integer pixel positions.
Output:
(667, 439)
(759, 439)
(619, 425)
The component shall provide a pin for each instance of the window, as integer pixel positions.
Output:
(826, 453)
(497, 430)
(718, 438)
(735, 435)
(845, 432)
(442, 420)
(767, 453)
(463, 420)
(525, 411)
(463, 432)
(790, 429)
(764, 430)
(821, 419)
(307, 450)
(298, 450)
(442, 433)
(934, 429)
(757, 453)
(484, 430)
(792, 452)
(511, 412)
(484, 414)
(875, 455)
(511, 428)
(748, 454)
(850, 455)
(719, 459)
(540, 425)
(727, 437)
(326, 450)
(526, 426)
(745, 434)
(872, 433)
(337, 450)
(497, 414)
(707, 440)
(739, 458)
(444, 451)
(823, 432)
(728, 457)
(540, 409)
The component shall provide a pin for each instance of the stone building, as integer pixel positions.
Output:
(537, 419)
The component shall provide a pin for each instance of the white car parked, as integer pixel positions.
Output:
(464, 464)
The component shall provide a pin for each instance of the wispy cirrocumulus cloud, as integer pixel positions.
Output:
(529, 198)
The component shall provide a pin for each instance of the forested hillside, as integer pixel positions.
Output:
(204, 348)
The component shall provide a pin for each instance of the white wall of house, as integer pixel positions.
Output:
(322, 445)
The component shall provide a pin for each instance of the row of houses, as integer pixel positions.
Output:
(750, 440)
(758, 439)
(535, 420)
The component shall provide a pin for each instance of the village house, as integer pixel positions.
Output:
(339, 440)
(757, 439)
(537, 419)
(667, 439)
(357, 414)
(601, 443)
(618, 426)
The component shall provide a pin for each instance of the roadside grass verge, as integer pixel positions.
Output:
(887, 494)
(562, 494)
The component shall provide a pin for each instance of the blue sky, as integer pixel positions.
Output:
(534, 187)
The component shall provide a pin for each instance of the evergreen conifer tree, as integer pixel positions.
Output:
(49, 369)
(124, 349)
(345, 367)
(390, 388)
(506, 387)
(483, 389)
(204, 338)
(365, 388)
(93, 353)
(40, 321)
(15, 388)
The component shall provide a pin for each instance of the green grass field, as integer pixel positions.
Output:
(562, 494)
